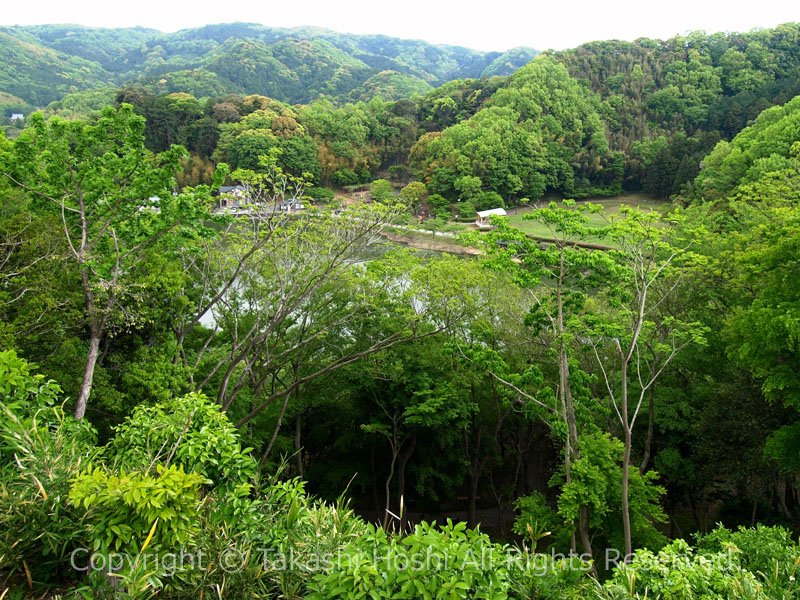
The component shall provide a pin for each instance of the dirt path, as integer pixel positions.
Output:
(432, 244)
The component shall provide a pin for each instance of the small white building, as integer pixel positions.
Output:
(17, 117)
(482, 220)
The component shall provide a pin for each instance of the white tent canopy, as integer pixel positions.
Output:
(482, 221)
(484, 214)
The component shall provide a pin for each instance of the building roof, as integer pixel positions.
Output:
(495, 211)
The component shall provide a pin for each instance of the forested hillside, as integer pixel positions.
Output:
(217, 344)
(40, 64)
(667, 103)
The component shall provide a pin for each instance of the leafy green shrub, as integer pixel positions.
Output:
(320, 194)
(344, 177)
(488, 200)
(537, 522)
(466, 210)
(135, 519)
(679, 572)
(126, 508)
(192, 429)
(766, 551)
(597, 483)
(430, 562)
(437, 202)
(281, 519)
(381, 191)
(41, 450)
(549, 577)
(20, 389)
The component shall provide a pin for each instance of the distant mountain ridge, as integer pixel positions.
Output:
(42, 63)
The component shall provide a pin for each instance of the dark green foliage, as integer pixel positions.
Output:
(292, 65)
(705, 87)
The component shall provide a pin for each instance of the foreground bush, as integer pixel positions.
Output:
(175, 483)
(41, 450)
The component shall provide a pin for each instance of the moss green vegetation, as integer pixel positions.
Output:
(254, 375)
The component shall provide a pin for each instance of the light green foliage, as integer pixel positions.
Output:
(597, 482)
(769, 552)
(550, 577)
(456, 101)
(488, 200)
(81, 105)
(117, 205)
(20, 388)
(381, 191)
(466, 211)
(537, 523)
(449, 562)
(193, 432)
(243, 143)
(509, 61)
(41, 449)
(124, 508)
(759, 149)
(438, 202)
(413, 194)
(761, 327)
(417, 383)
(525, 142)
(764, 331)
(389, 86)
(694, 90)
(680, 572)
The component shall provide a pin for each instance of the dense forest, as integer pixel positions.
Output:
(40, 64)
(275, 402)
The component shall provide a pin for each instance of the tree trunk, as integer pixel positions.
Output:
(626, 513)
(275, 432)
(626, 461)
(401, 480)
(388, 488)
(651, 424)
(298, 448)
(472, 500)
(88, 374)
(583, 530)
(781, 489)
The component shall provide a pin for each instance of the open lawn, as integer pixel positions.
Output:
(611, 207)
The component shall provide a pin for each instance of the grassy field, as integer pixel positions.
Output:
(611, 207)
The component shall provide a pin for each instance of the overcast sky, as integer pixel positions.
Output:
(483, 25)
